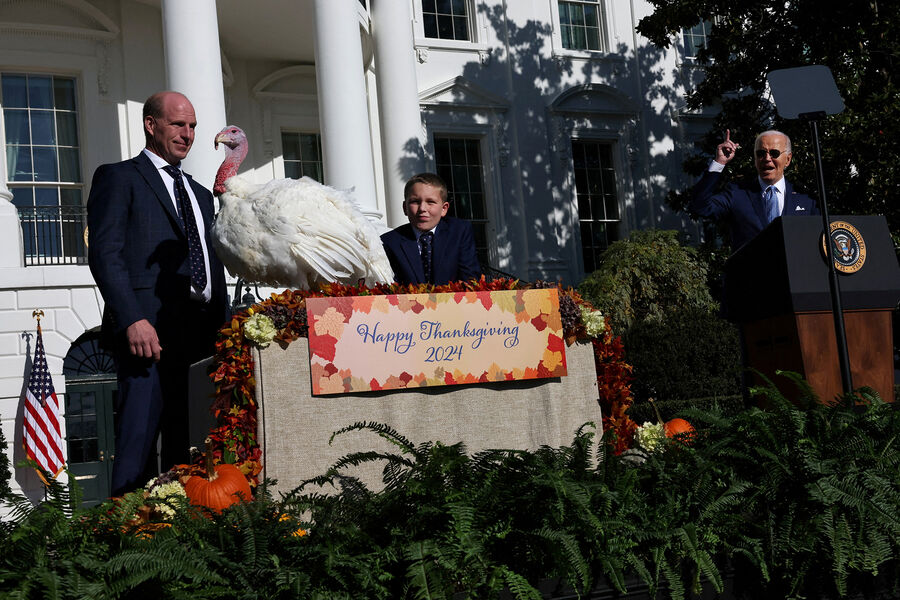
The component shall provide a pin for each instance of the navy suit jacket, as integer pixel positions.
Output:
(453, 252)
(740, 203)
(138, 252)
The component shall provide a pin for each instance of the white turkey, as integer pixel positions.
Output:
(291, 232)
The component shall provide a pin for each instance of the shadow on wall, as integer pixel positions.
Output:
(534, 196)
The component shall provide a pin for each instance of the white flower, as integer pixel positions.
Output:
(260, 329)
(593, 320)
(173, 488)
(650, 436)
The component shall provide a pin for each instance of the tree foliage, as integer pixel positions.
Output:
(858, 40)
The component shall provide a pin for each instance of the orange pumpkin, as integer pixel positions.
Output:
(223, 486)
(680, 429)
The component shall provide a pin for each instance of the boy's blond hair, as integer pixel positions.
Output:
(432, 179)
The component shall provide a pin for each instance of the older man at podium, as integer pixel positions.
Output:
(749, 205)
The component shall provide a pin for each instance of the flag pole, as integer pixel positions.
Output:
(37, 314)
(41, 435)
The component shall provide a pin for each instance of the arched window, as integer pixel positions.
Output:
(87, 360)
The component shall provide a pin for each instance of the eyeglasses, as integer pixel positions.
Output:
(774, 153)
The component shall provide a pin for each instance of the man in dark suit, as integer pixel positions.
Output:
(749, 206)
(162, 285)
(432, 248)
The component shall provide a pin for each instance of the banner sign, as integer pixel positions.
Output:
(364, 343)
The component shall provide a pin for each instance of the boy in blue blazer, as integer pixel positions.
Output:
(432, 247)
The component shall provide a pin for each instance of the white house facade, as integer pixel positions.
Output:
(558, 128)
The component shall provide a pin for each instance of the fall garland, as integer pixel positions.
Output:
(234, 438)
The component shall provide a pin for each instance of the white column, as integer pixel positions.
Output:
(402, 138)
(12, 250)
(343, 114)
(194, 68)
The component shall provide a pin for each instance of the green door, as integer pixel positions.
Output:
(90, 436)
(90, 416)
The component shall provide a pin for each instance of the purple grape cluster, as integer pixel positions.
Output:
(569, 312)
(568, 309)
(282, 316)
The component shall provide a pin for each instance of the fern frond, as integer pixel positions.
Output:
(676, 586)
(613, 571)
(575, 561)
(384, 431)
(519, 586)
(358, 458)
(421, 575)
(164, 561)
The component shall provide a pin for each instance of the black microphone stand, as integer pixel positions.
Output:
(834, 284)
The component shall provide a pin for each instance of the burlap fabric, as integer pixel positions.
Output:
(294, 426)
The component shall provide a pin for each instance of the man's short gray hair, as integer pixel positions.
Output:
(787, 146)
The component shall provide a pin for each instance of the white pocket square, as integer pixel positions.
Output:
(799, 208)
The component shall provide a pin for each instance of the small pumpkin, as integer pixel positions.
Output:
(223, 485)
(680, 429)
(676, 428)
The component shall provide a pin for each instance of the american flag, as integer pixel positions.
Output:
(42, 438)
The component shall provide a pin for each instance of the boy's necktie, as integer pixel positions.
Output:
(425, 251)
(186, 212)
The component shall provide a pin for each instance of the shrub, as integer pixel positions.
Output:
(691, 353)
(645, 278)
(714, 257)
(655, 293)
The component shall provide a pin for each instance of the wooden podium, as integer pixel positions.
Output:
(776, 289)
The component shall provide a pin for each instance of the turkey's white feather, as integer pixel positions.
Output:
(296, 233)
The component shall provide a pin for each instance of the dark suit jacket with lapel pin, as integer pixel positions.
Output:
(740, 203)
(453, 251)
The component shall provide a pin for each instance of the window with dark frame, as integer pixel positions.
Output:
(598, 201)
(44, 165)
(581, 25)
(458, 162)
(695, 38)
(446, 19)
(302, 155)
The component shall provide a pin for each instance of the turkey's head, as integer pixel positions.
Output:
(235, 142)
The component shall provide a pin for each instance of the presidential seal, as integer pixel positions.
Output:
(848, 247)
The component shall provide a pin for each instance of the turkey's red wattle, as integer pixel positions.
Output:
(235, 143)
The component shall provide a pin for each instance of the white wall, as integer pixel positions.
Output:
(71, 305)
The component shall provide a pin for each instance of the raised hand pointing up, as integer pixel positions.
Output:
(726, 150)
